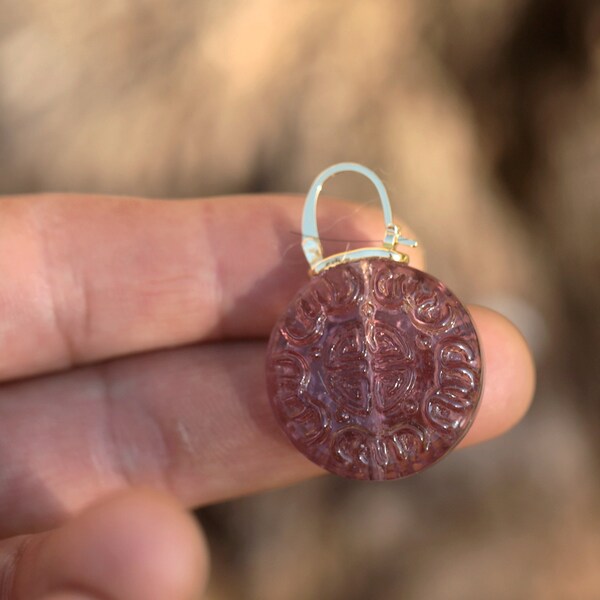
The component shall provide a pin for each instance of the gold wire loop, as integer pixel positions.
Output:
(311, 244)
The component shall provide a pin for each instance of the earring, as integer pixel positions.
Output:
(374, 370)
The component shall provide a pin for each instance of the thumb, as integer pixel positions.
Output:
(136, 545)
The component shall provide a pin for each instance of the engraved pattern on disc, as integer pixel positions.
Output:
(374, 370)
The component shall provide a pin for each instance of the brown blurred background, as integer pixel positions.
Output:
(483, 117)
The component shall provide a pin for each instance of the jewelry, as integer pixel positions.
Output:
(374, 370)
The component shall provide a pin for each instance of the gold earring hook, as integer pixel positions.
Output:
(311, 244)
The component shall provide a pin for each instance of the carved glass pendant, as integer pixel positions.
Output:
(374, 370)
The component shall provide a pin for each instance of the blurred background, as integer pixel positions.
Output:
(483, 118)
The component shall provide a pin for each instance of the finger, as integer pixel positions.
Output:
(133, 546)
(195, 421)
(509, 376)
(87, 278)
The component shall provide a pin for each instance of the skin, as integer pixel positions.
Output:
(132, 381)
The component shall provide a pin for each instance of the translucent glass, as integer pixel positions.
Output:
(374, 370)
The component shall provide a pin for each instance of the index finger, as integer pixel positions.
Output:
(86, 278)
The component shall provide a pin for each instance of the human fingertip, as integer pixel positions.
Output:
(509, 376)
(133, 545)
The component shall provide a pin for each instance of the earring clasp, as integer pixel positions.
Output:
(311, 243)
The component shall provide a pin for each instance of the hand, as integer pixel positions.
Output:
(132, 358)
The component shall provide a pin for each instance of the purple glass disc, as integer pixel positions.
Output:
(374, 370)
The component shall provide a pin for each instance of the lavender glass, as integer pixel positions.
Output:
(374, 371)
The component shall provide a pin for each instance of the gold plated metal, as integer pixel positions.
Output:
(311, 243)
